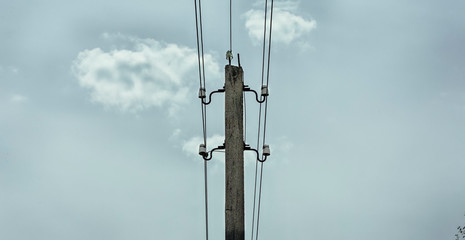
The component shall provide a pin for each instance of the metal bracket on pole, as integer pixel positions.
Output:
(208, 155)
(265, 154)
(202, 95)
(263, 96)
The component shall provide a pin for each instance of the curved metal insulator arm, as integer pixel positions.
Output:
(210, 96)
(248, 148)
(208, 156)
(247, 89)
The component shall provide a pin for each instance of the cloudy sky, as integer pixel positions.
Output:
(100, 122)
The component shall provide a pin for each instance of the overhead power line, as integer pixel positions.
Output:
(200, 54)
(264, 121)
(230, 25)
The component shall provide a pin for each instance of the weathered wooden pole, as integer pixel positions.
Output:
(234, 144)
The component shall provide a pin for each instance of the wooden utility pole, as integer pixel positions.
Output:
(234, 146)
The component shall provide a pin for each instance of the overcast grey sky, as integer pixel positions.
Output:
(100, 122)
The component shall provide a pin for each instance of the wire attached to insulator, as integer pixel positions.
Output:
(201, 63)
(265, 119)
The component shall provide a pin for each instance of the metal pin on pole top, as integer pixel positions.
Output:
(238, 60)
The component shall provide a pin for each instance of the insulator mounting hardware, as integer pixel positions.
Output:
(265, 154)
(264, 93)
(238, 60)
(202, 95)
(229, 56)
(202, 150)
(266, 150)
(208, 155)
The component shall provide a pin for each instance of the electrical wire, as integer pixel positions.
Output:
(265, 117)
(254, 197)
(198, 18)
(259, 198)
(268, 71)
(259, 120)
(201, 63)
(230, 25)
(205, 171)
(198, 44)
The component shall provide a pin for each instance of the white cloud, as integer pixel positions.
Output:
(191, 147)
(287, 25)
(144, 73)
(17, 98)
